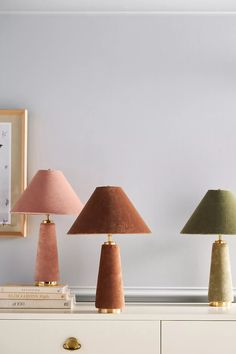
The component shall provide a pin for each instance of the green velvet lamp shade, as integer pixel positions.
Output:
(216, 214)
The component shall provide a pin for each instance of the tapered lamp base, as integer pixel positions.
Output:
(47, 268)
(220, 293)
(109, 294)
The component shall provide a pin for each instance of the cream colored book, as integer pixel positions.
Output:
(34, 296)
(27, 288)
(35, 304)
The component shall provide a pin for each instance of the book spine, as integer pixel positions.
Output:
(36, 304)
(34, 289)
(33, 296)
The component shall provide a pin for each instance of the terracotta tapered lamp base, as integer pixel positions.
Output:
(47, 269)
(109, 295)
(220, 292)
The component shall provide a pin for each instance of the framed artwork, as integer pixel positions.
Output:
(13, 169)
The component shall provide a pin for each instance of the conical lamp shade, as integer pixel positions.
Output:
(216, 214)
(109, 211)
(49, 192)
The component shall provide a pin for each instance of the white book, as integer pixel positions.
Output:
(34, 296)
(27, 288)
(35, 304)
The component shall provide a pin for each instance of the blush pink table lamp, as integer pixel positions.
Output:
(109, 211)
(48, 193)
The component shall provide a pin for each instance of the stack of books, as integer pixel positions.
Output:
(35, 297)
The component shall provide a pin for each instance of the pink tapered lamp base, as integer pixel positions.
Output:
(47, 268)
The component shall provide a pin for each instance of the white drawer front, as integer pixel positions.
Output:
(96, 337)
(198, 337)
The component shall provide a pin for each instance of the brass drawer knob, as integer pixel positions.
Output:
(71, 343)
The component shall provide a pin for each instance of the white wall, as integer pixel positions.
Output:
(118, 5)
(147, 102)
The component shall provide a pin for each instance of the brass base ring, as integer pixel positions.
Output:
(46, 283)
(220, 303)
(109, 310)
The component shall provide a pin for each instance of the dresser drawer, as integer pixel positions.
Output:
(96, 337)
(198, 337)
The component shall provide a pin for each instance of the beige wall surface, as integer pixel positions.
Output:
(146, 102)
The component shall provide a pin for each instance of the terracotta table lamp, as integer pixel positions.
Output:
(216, 215)
(48, 193)
(109, 211)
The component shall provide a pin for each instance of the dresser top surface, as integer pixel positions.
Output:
(157, 311)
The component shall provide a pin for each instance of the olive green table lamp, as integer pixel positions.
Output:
(216, 215)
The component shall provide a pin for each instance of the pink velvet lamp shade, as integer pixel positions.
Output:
(49, 192)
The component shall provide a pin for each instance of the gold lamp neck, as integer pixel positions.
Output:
(109, 240)
(220, 240)
(47, 220)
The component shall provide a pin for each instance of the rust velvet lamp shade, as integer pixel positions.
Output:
(48, 193)
(109, 211)
(216, 215)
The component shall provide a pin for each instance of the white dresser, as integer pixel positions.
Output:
(140, 329)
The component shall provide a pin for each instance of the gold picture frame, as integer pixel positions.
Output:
(13, 169)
